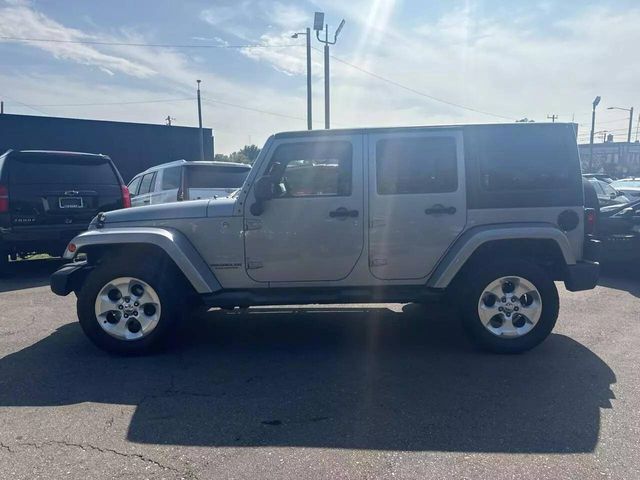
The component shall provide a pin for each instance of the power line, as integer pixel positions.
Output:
(417, 92)
(135, 44)
(100, 104)
(32, 107)
(252, 109)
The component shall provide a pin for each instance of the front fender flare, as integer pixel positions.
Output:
(472, 239)
(171, 241)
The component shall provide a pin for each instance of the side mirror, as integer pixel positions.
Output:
(263, 191)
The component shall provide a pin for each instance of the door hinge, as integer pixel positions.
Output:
(377, 222)
(252, 224)
(378, 262)
(253, 265)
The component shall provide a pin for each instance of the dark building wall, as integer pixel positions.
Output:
(132, 146)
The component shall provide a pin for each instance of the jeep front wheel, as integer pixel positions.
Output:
(130, 309)
(509, 306)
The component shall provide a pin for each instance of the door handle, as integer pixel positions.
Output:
(343, 212)
(440, 210)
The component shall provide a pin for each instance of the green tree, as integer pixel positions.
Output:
(251, 152)
(220, 157)
(239, 157)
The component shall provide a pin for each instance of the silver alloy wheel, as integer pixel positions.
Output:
(510, 307)
(127, 308)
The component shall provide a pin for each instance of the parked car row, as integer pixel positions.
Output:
(48, 197)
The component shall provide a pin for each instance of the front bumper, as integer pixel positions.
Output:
(69, 278)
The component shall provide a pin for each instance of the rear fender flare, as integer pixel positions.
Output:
(464, 247)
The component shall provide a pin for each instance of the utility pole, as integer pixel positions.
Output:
(552, 117)
(200, 124)
(2, 109)
(630, 110)
(318, 26)
(307, 33)
(637, 127)
(595, 103)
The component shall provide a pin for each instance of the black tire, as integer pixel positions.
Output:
(4, 262)
(162, 276)
(479, 276)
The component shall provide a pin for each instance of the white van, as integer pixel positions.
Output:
(183, 180)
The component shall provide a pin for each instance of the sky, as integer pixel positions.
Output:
(396, 62)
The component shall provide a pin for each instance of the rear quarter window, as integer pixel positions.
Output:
(515, 166)
(25, 170)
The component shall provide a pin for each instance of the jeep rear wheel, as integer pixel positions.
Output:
(510, 306)
(131, 309)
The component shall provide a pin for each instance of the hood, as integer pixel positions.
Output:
(221, 207)
(164, 211)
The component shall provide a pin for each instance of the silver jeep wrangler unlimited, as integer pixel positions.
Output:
(485, 216)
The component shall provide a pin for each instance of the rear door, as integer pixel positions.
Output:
(417, 200)
(167, 185)
(144, 191)
(54, 189)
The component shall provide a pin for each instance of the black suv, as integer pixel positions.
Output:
(47, 197)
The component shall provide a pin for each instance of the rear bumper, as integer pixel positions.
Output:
(69, 278)
(584, 274)
(55, 233)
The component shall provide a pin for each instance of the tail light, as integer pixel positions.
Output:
(590, 218)
(4, 199)
(126, 197)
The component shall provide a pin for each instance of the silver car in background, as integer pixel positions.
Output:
(184, 180)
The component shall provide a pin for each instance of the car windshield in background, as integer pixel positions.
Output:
(64, 170)
(626, 183)
(204, 176)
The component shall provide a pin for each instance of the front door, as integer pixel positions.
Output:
(313, 229)
(417, 200)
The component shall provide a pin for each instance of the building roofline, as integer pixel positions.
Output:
(114, 122)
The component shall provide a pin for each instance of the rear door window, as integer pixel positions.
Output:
(171, 178)
(33, 169)
(204, 176)
(416, 165)
(146, 183)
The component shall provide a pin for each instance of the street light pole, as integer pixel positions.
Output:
(630, 110)
(307, 32)
(327, 93)
(595, 103)
(200, 124)
(318, 26)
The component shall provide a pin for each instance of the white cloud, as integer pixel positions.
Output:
(20, 20)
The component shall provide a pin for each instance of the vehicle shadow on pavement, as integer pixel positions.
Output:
(359, 378)
(28, 274)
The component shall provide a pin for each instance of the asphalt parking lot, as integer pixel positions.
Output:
(377, 391)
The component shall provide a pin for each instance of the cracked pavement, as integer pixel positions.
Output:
(336, 392)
